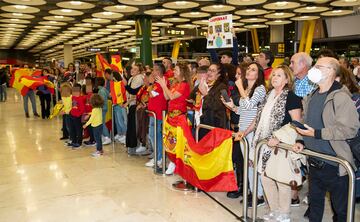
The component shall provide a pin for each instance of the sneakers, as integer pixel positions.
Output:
(171, 168)
(106, 141)
(36, 115)
(271, 216)
(151, 156)
(120, 139)
(140, 149)
(283, 218)
(295, 202)
(75, 145)
(260, 202)
(97, 153)
(151, 163)
(235, 194)
(89, 143)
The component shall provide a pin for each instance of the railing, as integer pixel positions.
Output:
(341, 161)
(245, 174)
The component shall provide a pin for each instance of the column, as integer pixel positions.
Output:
(277, 43)
(68, 55)
(143, 33)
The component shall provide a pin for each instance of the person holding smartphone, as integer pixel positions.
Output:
(252, 91)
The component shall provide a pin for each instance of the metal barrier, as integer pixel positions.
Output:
(112, 127)
(155, 143)
(343, 162)
(245, 174)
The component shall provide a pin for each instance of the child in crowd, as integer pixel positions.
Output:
(77, 110)
(88, 93)
(96, 122)
(105, 95)
(65, 91)
(142, 118)
(118, 95)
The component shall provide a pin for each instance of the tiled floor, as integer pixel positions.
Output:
(41, 180)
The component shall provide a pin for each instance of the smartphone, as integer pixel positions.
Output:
(225, 95)
(298, 125)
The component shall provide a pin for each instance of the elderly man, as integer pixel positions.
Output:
(330, 117)
(300, 64)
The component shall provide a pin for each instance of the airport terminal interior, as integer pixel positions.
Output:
(110, 58)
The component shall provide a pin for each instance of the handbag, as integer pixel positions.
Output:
(283, 165)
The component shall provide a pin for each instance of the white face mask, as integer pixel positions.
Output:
(315, 75)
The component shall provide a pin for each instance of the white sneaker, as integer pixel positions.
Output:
(117, 137)
(150, 163)
(140, 149)
(106, 141)
(283, 218)
(121, 139)
(271, 216)
(171, 168)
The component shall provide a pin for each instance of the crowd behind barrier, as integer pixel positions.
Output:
(251, 99)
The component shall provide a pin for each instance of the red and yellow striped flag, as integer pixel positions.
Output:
(35, 82)
(206, 164)
(15, 80)
(116, 63)
(118, 92)
(101, 65)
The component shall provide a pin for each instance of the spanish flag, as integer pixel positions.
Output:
(108, 116)
(116, 63)
(118, 92)
(34, 82)
(15, 80)
(207, 164)
(101, 65)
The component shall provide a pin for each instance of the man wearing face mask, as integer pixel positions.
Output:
(330, 118)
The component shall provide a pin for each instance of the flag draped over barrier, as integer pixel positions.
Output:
(15, 80)
(206, 164)
(116, 63)
(118, 92)
(101, 65)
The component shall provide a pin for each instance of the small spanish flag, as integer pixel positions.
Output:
(101, 65)
(116, 63)
(207, 164)
(118, 92)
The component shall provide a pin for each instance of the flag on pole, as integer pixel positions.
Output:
(34, 82)
(116, 63)
(15, 80)
(206, 164)
(101, 65)
(118, 92)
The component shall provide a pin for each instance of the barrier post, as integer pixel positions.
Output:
(339, 160)
(112, 127)
(155, 141)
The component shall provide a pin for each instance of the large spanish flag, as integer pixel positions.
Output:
(118, 92)
(207, 164)
(108, 116)
(34, 82)
(116, 63)
(101, 65)
(15, 80)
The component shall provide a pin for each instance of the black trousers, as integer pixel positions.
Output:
(131, 139)
(76, 130)
(321, 181)
(45, 100)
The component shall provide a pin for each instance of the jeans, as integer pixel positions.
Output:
(30, 94)
(105, 131)
(321, 181)
(120, 116)
(159, 135)
(76, 130)
(45, 100)
(66, 125)
(260, 193)
(3, 95)
(97, 131)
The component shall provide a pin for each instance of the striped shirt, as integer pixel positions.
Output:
(248, 107)
(304, 87)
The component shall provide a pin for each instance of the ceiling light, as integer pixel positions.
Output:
(75, 2)
(120, 6)
(59, 16)
(181, 2)
(218, 6)
(281, 4)
(17, 14)
(20, 7)
(66, 10)
(311, 7)
(107, 13)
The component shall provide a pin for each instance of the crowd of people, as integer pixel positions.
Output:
(324, 95)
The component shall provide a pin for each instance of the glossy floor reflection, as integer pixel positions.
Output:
(41, 180)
